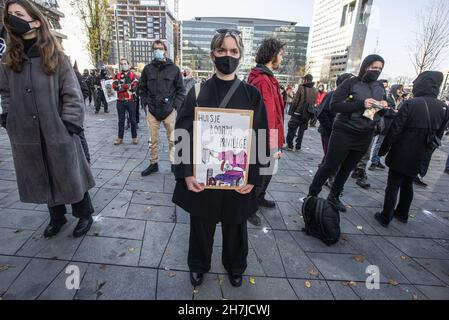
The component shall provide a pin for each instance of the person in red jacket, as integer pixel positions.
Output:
(126, 83)
(269, 58)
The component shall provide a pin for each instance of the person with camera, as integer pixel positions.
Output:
(356, 102)
(162, 93)
(125, 83)
(301, 111)
(415, 134)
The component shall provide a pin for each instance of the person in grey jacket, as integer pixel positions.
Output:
(43, 113)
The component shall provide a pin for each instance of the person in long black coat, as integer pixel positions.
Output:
(406, 144)
(209, 207)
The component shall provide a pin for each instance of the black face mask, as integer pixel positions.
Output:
(227, 64)
(19, 26)
(371, 76)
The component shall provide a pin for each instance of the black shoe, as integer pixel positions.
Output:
(401, 218)
(173, 168)
(106, 111)
(83, 227)
(196, 279)
(266, 203)
(381, 166)
(236, 280)
(363, 183)
(290, 148)
(379, 218)
(355, 174)
(150, 170)
(54, 227)
(336, 202)
(255, 220)
(373, 167)
(420, 183)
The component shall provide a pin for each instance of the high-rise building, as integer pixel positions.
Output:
(337, 37)
(198, 33)
(139, 23)
(50, 9)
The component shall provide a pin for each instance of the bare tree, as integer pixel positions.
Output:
(431, 37)
(97, 18)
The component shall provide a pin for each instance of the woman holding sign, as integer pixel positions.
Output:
(208, 206)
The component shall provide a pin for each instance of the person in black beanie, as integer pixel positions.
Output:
(353, 128)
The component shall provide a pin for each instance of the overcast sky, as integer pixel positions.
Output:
(390, 31)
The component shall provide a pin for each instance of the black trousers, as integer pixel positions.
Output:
(100, 100)
(80, 210)
(137, 110)
(340, 157)
(397, 182)
(262, 190)
(130, 107)
(296, 124)
(235, 246)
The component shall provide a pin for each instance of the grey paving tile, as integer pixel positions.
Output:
(11, 240)
(10, 267)
(151, 213)
(311, 289)
(34, 279)
(109, 251)
(22, 219)
(262, 289)
(118, 228)
(157, 235)
(105, 282)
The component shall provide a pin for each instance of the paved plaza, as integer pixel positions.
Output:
(137, 247)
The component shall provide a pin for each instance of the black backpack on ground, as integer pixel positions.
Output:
(322, 220)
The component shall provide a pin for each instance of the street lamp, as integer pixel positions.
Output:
(116, 35)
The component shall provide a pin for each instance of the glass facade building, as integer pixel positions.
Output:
(198, 33)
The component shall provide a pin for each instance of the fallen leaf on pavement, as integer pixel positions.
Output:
(172, 274)
(5, 267)
(100, 285)
(344, 238)
(252, 281)
(196, 291)
(131, 249)
(359, 259)
(403, 258)
(314, 273)
(353, 284)
(414, 296)
(121, 255)
(148, 209)
(393, 282)
(308, 284)
(18, 231)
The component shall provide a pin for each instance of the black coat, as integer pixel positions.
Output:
(406, 140)
(162, 88)
(349, 101)
(219, 205)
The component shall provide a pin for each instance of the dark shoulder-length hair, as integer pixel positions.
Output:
(49, 47)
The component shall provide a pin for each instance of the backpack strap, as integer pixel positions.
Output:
(230, 93)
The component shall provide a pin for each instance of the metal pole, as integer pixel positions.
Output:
(116, 35)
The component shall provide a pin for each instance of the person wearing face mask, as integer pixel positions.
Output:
(43, 113)
(353, 128)
(125, 83)
(269, 58)
(162, 93)
(209, 207)
(407, 144)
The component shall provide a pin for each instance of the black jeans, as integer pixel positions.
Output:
(262, 190)
(296, 124)
(397, 182)
(122, 107)
(100, 100)
(235, 246)
(340, 157)
(81, 210)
